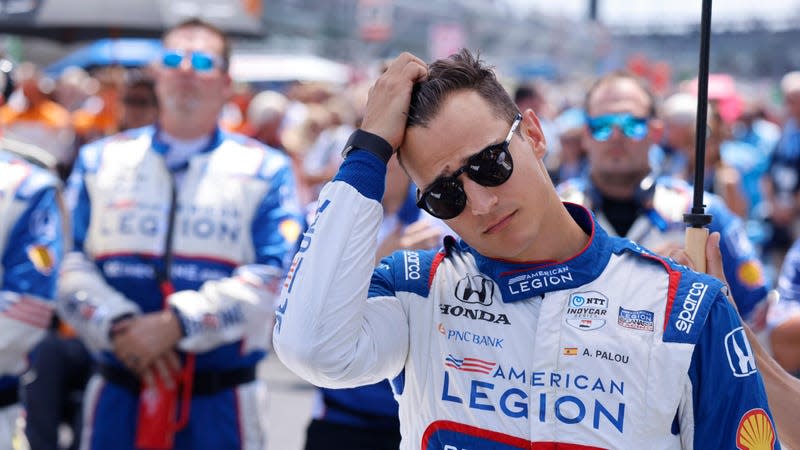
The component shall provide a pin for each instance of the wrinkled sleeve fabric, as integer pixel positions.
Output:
(729, 403)
(242, 306)
(337, 325)
(84, 299)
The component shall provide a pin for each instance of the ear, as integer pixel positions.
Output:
(532, 133)
(655, 130)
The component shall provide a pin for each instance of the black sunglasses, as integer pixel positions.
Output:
(445, 197)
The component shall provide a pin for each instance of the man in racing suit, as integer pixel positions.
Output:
(31, 245)
(538, 330)
(631, 201)
(181, 234)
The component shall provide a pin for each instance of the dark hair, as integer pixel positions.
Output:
(614, 77)
(460, 72)
(200, 23)
(524, 92)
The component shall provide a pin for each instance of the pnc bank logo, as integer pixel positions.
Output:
(475, 289)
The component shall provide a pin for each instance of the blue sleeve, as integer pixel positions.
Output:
(36, 246)
(404, 271)
(278, 223)
(789, 278)
(365, 172)
(77, 200)
(728, 396)
(743, 269)
(382, 283)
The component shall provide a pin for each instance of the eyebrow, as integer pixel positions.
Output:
(442, 175)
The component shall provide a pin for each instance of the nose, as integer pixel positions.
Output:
(480, 199)
(616, 133)
(186, 65)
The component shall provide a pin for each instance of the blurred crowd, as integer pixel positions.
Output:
(752, 158)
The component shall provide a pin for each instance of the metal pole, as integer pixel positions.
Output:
(697, 220)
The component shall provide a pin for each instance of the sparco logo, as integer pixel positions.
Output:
(475, 289)
(690, 306)
(474, 314)
(411, 260)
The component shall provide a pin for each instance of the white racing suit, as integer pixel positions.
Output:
(613, 348)
(31, 247)
(234, 225)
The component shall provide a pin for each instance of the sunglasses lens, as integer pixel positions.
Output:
(635, 128)
(602, 127)
(172, 59)
(491, 167)
(445, 199)
(202, 62)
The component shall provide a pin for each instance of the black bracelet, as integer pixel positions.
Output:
(369, 142)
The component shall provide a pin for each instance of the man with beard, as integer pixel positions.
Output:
(632, 201)
(181, 235)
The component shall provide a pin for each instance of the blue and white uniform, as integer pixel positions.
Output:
(233, 222)
(613, 348)
(31, 246)
(661, 222)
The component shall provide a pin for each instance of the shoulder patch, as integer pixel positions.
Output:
(688, 307)
(690, 295)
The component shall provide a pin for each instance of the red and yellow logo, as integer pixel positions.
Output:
(570, 351)
(755, 431)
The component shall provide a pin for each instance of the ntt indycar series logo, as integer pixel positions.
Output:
(587, 311)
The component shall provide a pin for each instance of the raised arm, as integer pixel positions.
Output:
(327, 329)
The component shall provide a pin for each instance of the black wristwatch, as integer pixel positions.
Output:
(369, 142)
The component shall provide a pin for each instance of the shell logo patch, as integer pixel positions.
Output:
(42, 258)
(755, 431)
(750, 274)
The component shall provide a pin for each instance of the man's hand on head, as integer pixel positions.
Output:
(389, 98)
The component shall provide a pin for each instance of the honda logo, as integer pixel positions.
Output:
(740, 355)
(475, 289)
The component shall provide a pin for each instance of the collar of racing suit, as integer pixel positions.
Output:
(521, 281)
